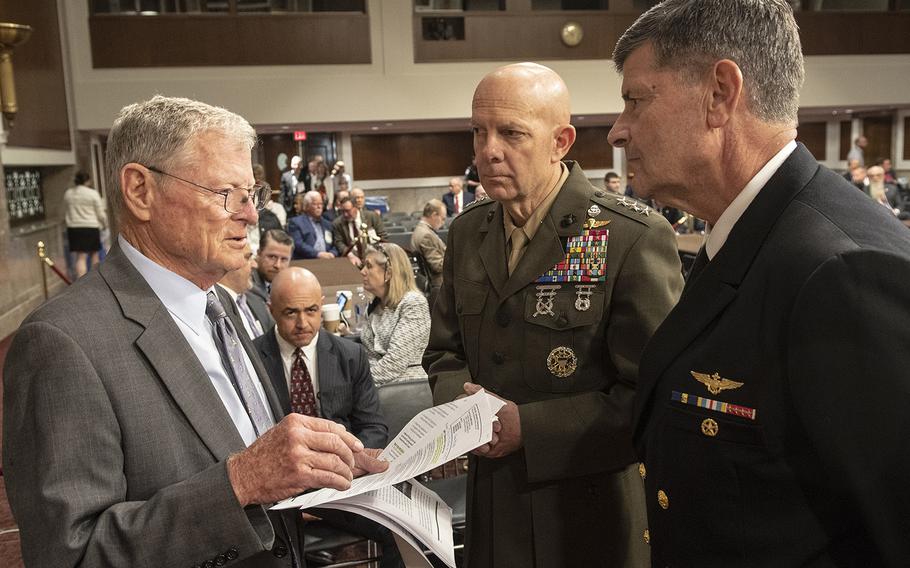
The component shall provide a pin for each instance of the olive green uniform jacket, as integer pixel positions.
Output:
(571, 495)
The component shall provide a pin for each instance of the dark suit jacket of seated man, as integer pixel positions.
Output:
(342, 386)
(448, 198)
(303, 232)
(346, 392)
(312, 234)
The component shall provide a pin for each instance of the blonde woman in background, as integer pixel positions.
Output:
(85, 217)
(398, 325)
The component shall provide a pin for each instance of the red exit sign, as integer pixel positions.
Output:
(299, 135)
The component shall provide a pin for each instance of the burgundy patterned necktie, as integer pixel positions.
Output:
(303, 398)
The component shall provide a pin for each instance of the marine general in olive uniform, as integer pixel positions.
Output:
(551, 291)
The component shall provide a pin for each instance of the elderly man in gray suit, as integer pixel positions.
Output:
(140, 429)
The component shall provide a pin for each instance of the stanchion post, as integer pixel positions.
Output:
(42, 255)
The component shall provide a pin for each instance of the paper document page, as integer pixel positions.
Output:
(430, 439)
(411, 510)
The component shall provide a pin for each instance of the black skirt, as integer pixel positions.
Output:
(84, 239)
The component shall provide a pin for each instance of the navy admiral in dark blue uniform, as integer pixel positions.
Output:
(772, 410)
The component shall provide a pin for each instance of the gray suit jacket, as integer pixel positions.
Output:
(347, 394)
(259, 288)
(260, 311)
(115, 440)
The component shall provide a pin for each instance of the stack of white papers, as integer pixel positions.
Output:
(392, 498)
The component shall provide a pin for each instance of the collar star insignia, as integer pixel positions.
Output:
(715, 383)
(633, 205)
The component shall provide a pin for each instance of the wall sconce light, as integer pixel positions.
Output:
(571, 34)
(11, 36)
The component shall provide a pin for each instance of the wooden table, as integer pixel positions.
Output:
(334, 274)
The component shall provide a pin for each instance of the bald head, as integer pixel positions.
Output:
(520, 118)
(294, 278)
(296, 305)
(529, 88)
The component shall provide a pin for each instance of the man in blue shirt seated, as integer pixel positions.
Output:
(311, 233)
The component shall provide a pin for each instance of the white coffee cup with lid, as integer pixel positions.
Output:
(331, 316)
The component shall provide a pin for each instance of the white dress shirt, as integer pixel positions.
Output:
(717, 235)
(309, 357)
(186, 304)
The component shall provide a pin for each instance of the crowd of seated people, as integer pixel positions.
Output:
(882, 184)
(396, 329)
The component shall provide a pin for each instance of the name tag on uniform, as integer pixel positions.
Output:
(585, 261)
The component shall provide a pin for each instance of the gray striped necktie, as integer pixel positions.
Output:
(232, 356)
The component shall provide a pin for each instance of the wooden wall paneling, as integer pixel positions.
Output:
(878, 130)
(861, 33)
(273, 146)
(591, 149)
(846, 140)
(522, 34)
(504, 35)
(397, 156)
(224, 39)
(43, 119)
(814, 136)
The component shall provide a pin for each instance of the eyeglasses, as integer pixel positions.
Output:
(235, 198)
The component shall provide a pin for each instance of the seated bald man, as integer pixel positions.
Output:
(313, 372)
(321, 375)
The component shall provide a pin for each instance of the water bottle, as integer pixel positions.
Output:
(360, 309)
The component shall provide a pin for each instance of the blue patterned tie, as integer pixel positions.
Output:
(232, 356)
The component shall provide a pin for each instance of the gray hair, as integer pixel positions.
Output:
(434, 206)
(311, 196)
(158, 133)
(761, 36)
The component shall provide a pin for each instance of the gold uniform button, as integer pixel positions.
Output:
(647, 536)
(709, 427)
(642, 471)
(663, 500)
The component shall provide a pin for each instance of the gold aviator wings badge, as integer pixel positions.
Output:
(715, 383)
